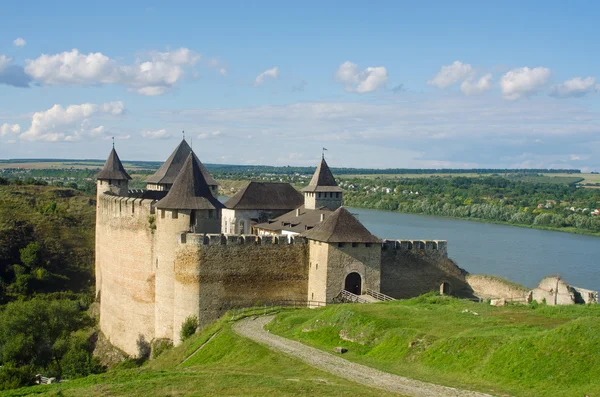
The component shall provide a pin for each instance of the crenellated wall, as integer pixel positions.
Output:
(125, 278)
(219, 272)
(413, 267)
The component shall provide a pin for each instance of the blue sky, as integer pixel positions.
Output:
(381, 84)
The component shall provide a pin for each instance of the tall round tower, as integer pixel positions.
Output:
(114, 179)
(188, 207)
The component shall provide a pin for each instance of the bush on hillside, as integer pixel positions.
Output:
(189, 327)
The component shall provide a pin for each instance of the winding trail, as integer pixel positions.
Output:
(253, 328)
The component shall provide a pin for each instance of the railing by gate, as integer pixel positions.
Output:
(348, 297)
(254, 308)
(378, 295)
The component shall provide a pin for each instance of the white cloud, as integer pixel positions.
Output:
(70, 123)
(522, 82)
(19, 42)
(157, 134)
(150, 77)
(451, 74)
(216, 63)
(4, 61)
(575, 87)
(9, 129)
(274, 73)
(476, 87)
(207, 135)
(354, 80)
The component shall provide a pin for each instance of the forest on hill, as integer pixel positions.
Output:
(46, 282)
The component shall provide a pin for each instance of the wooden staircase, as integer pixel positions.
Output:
(370, 296)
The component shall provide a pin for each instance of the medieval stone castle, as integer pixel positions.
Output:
(174, 250)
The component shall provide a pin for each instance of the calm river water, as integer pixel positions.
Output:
(520, 254)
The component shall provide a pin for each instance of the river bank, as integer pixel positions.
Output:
(570, 230)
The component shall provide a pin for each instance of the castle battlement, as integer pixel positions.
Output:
(439, 247)
(120, 205)
(238, 239)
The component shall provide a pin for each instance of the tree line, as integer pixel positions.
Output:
(493, 198)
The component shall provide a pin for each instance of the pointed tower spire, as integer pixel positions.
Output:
(190, 190)
(166, 174)
(323, 190)
(113, 168)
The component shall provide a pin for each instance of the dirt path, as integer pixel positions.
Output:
(253, 328)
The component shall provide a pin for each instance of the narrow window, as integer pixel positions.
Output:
(133, 207)
(162, 214)
(312, 296)
(368, 245)
(355, 244)
(192, 218)
(317, 266)
(175, 214)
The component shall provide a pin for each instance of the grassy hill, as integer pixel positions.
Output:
(518, 350)
(227, 365)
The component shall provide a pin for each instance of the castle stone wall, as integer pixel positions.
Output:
(124, 254)
(317, 272)
(237, 270)
(410, 268)
(170, 225)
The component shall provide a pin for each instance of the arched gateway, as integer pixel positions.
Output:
(353, 283)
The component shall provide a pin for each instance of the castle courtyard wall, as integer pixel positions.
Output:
(237, 271)
(124, 254)
(412, 268)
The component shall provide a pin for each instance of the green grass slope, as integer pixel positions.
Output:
(228, 365)
(518, 350)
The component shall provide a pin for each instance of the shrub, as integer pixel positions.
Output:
(159, 346)
(189, 327)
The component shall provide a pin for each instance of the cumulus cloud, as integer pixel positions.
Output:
(207, 135)
(157, 134)
(217, 64)
(154, 76)
(9, 129)
(70, 123)
(523, 82)
(19, 42)
(354, 80)
(451, 74)
(273, 73)
(576, 87)
(4, 62)
(476, 86)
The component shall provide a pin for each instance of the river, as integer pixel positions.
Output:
(522, 255)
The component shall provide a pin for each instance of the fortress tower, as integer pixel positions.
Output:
(189, 206)
(344, 255)
(113, 177)
(165, 176)
(322, 191)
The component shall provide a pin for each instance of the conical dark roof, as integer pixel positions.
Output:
(341, 227)
(113, 169)
(266, 196)
(190, 190)
(167, 173)
(322, 180)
